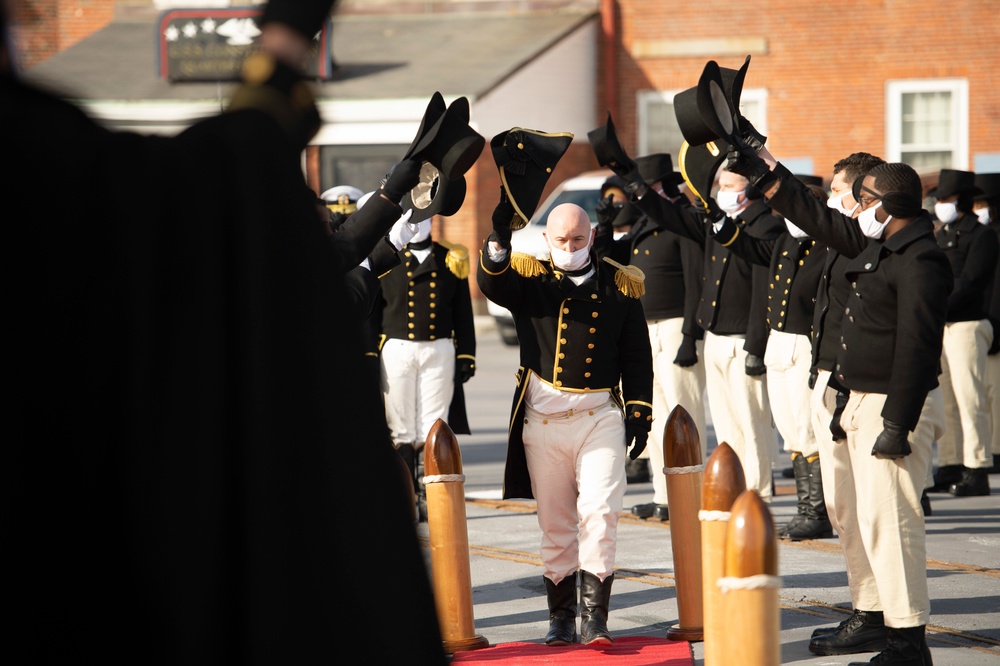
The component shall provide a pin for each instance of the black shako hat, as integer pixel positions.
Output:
(989, 183)
(445, 139)
(525, 159)
(658, 167)
(953, 181)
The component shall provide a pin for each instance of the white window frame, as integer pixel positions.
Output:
(959, 141)
(645, 99)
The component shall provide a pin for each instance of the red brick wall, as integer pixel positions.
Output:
(46, 27)
(825, 66)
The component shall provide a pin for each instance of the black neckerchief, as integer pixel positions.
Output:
(577, 273)
(422, 245)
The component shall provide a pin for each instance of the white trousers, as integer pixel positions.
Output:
(418, 382)
(889, 519)
(788, 359)
(672, 386)
(966, 440)
(577, 467)
(741, 412)
(993, 394)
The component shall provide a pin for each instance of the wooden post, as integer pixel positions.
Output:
(449, 538)
(724, 482)
(751, 584)
(684, 470)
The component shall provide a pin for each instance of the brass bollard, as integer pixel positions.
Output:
(750, 585)
(684, 470)
(444, 484)
(724, 482)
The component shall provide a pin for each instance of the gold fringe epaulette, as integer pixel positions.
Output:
(630, 280)
(526, 265)
(457, 259)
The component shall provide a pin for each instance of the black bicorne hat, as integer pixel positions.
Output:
(434, 195)
(989, 183)
(607, 148)
(711, 110)
(658, 167)
(699, 164)
(525, 159)
(953, 181)
(445, 139)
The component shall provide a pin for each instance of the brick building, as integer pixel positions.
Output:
(890, 78)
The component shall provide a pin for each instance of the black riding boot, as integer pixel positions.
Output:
(944, 477)
(418, 482)
(408, 456)
(816, 524)
(594, 599)
(864, 631)
(562, 610)
(800, 467)
(906, 647)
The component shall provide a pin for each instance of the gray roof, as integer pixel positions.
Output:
(376, 56)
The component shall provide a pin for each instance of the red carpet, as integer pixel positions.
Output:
(625, 651)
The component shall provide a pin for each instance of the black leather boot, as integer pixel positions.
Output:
(594, 599)
(801, 469)
(418, 482)
(816, 524)
(945, 477)
(562, 610)
(864, 631)
(406, 455)
(906, 647)
(974, 483)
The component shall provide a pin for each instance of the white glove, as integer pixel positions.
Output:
(402, 231)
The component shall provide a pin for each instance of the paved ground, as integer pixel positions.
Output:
(508, 597)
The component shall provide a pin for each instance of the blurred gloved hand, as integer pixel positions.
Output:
(892, 442)
(836, 429)
(995, 345)
(606, 210)
(813, 376)
(465, 369)
(402, 231)
(402, 177)
(687, 354)
(754, 365)
(503, 214)
(743, 159)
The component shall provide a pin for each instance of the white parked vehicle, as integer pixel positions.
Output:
(583, 190)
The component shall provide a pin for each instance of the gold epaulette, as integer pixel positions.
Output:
(526, 265)
(457, 259)
(630, 280)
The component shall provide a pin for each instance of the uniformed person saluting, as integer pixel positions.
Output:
(585, 361)
(428, 344)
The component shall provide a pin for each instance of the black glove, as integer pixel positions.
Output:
(836, 429)
(606, 210)
(813, 376)
(754, 365)
(687, 354)
(995, 345)
(503, 214)
(638, 419)
(402, 177)
(635, 432)
(891, 443)
(744, 160)
(465, 369)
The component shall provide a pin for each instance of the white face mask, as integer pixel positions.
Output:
(984, 215)
(870, 226)
(946, 212)
(794, 230)
(836, 202)
(729, 202)
(570, 261)
(423, 231)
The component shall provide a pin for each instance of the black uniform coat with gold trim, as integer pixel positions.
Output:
(794, 265)
(427, 301)
(733, 293)
(580, 338)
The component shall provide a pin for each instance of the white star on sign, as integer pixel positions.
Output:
(190, 30)
(208, 26)
(171, 33)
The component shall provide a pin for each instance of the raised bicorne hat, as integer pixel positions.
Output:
(607, 148)
(658, 167)
(445, 139)
(699, 165)
(434, 195)
(711, 109)
(525, 159)
(953, 181)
